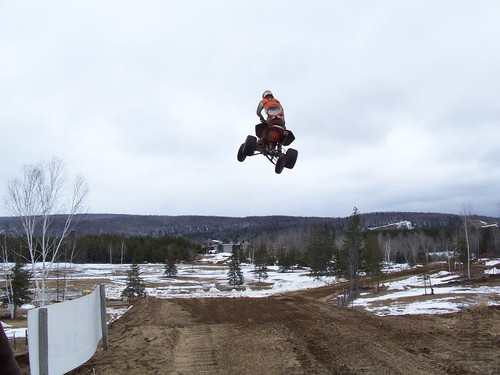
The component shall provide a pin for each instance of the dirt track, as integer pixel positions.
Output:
(294, 335)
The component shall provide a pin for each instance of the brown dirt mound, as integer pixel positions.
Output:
(294, 335)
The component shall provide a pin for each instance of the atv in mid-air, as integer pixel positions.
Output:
(270, 142)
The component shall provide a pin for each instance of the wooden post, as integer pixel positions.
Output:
(104, 324)
(43, 342)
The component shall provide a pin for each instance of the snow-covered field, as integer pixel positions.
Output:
(412, 296)
(208, 278)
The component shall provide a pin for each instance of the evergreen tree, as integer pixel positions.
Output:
(135, 286)
(320, 249)
(286, 260)
(422, 257)
(372, 256)
(271, 259)
(235, 275)
(261, 261)
(170, 267)
(19, 292)
(350, 255)
(461, 249)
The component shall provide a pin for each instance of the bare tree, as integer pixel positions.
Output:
(412, 244)
(386, 239)
(36, 198)
(444, 246)
(122, 251)
(466, 214)
(8, 276)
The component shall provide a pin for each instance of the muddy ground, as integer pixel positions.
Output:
(294, 334)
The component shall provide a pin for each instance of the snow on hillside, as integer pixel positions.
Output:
(399, 225)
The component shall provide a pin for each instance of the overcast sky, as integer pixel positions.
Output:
(395, 105)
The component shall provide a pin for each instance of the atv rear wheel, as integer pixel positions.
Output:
(241, 153)
(291, 158)
(250, 145)
(280, 164)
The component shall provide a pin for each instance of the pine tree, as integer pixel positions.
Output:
(372, 257)
(170, 267)
(350, 255)
(135, 286)
(320, 249)
(461, 249)
(235, 275)
(261, 261)
(19, 292)
(286, 260)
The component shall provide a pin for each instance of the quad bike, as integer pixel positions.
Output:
(270, 142)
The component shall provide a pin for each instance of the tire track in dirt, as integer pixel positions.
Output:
(477, 334)
(336, 342)
(194, 352)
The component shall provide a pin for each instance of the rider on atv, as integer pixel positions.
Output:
(272, 136)
(275, 116)
(274, 110)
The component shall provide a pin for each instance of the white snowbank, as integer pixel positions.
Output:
(492, 262)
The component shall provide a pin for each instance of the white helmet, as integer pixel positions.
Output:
(266, 93)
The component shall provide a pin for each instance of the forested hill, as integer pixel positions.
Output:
(241, 228)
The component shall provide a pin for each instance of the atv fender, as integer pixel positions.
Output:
(262, 130)
(288, 137)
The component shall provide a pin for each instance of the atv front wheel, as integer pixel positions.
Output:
(291, 158)
(250, 145)
(241, 153)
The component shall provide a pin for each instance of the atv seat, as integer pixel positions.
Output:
(274, 133)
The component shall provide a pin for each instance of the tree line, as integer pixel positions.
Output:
(300, 248)
(109, 248)
(353, 251)
(398, 245)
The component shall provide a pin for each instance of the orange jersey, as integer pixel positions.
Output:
(272, 107)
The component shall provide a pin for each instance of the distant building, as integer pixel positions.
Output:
(228, 247)
(213, 247)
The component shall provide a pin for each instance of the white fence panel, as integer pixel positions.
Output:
(73, 331)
